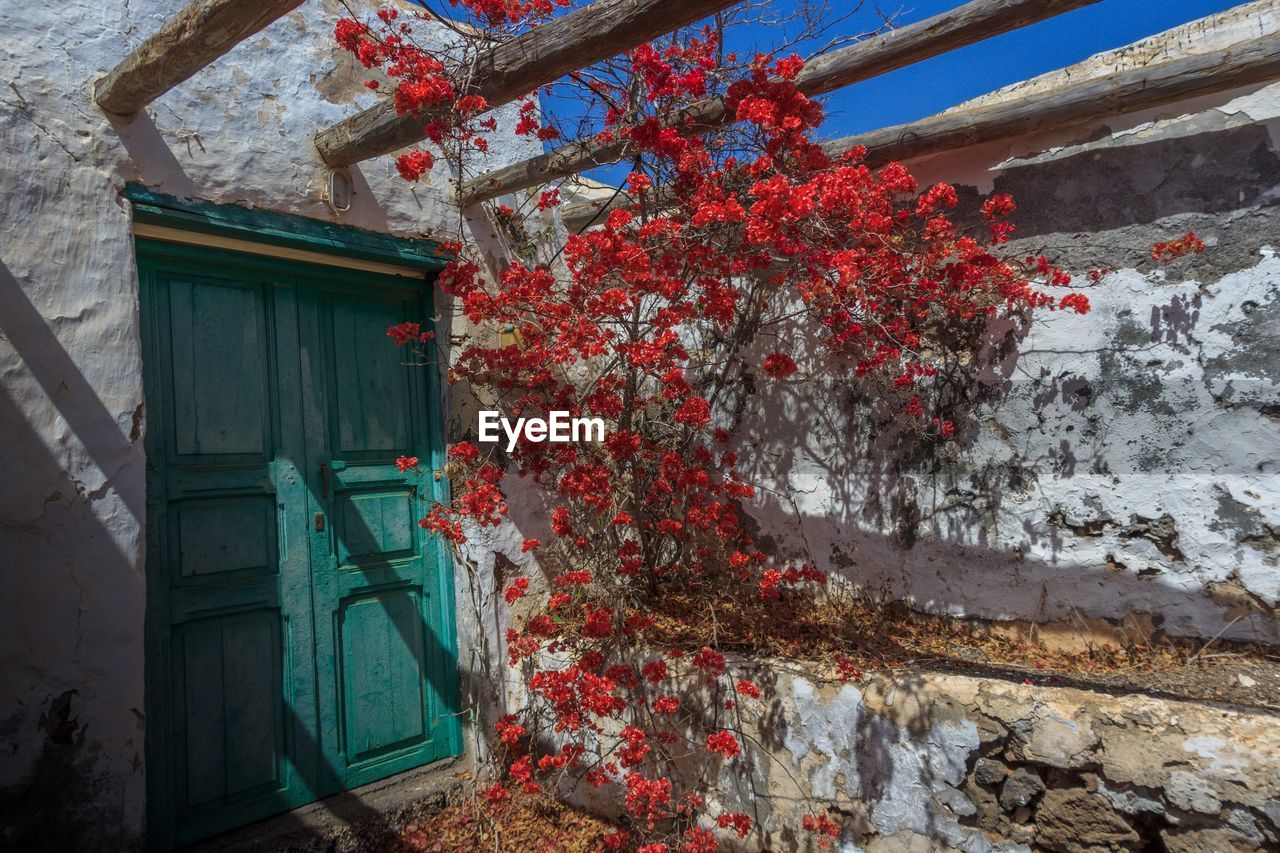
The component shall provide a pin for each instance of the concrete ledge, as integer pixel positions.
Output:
(360, 819)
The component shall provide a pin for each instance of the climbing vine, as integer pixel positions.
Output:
(743, 257)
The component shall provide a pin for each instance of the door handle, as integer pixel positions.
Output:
(324, 481)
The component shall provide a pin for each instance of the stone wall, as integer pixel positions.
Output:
(927, 761)
(1122, 466)
(72, 503)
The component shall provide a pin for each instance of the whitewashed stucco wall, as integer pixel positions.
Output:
(72, 478)
(1159, 404)
(1128, 464)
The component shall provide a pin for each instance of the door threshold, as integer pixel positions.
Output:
(363, 818)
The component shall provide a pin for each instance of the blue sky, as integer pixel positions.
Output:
(928, 87)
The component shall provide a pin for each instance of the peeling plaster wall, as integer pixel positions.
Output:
(1127, 461)
(72, 503)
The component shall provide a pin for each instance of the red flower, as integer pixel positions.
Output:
(694, 412)
(1077, 302)
(655, 671)
(414, 164)
(599, 623)
(845, 669)
(779, 365)
(517, 590)
(560, 522)
(998, 206)
(710, 660)
(509, 730)
(1169, 250)
(738, 821)
(465, 452)
(647, 799)
(495, 794)
(405, 333)
(723, 743)
(821, 825)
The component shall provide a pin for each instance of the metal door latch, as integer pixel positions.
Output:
(319, 522)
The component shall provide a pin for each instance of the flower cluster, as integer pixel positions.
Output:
(658, 321)
(1170, 250)
(426, 87)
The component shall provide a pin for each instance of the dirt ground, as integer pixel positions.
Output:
(528, 824)
(870, 636)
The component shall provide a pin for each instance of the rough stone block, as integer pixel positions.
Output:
(1020, 788)
(1072, 820)
(989, 772)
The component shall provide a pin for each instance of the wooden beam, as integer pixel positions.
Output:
(597, 31)
(187, 42)
(579, 214)
(970, 23)
(1241, 64)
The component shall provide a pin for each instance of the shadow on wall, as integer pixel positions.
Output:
(1217, 182)
(156, 165)
(1098, 439)
(70, 792)
(1123, 184)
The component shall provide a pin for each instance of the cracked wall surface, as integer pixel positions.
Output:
(1123, 464)
(72, 504)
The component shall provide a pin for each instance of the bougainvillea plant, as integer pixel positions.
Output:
(744, 257)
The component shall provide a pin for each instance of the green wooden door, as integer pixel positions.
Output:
(299, 622)
(383, 622)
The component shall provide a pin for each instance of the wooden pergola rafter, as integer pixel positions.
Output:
(207, 29)
(200, 33)
(947, 31)
(1246, 62)
(513, 69)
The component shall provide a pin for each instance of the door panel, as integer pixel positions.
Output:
(381, 642)
(299, 625)
(376, 525)
(370, 405)
(234, 730)
(218, 344)
(377, 574)
(203, 547)
(228, 597)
